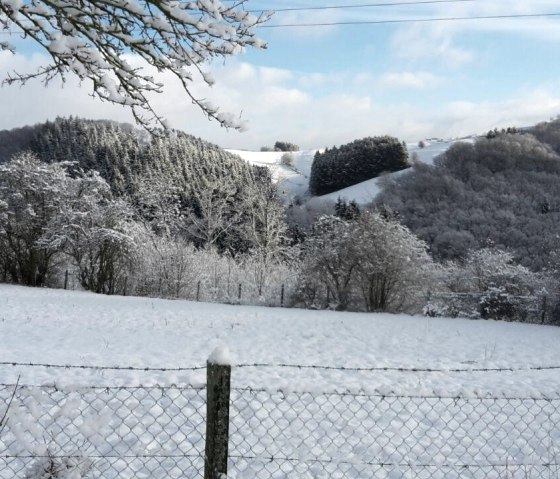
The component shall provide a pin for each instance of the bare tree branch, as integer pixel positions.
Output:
(100, 40)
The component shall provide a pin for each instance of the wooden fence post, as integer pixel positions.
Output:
(239, 293)
(217, 415)
(198, 291)
(282, 297)
(66, 280)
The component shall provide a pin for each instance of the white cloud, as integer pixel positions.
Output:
(423, 43)
(279, 107)
(410, 80)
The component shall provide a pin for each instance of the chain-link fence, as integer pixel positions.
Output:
(159, 432)
(147, 432)
(355, 436)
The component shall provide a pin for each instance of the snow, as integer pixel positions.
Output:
(295, 180)
(220, 356)
(275, 412)
(78, 328)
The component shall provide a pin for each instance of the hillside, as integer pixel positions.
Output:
(501, 192)
(295, 181)
(122, 154)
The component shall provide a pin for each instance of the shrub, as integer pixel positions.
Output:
(287, 159)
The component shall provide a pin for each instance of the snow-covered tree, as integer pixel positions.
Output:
(112, 42)
(488, 283)
(47, 215)
(96, 232)
(211, 214)
(329, 264)
(371, 264)
(393, 269)
(31, 193)
(265, 229)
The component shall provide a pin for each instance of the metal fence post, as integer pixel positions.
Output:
(217, 416)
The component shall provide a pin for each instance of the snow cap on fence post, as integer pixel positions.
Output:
(220, 356)
(217, 411)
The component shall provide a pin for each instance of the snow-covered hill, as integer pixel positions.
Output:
(295, 180)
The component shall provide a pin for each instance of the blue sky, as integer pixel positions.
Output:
(323, 86)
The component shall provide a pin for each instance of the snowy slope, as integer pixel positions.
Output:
(295, 181)
(292, 180)
(64, 327)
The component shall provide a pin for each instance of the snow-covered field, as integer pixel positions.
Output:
(289, 424)
(295, 180)
(78, 328)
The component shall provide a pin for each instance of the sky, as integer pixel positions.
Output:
(324, 86)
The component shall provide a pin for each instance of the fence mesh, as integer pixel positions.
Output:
(112, 432)
(158, 432)
(349, 436)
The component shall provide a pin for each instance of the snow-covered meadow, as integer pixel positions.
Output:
(79, 328)
(378, 417)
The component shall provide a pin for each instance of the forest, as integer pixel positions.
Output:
(123, 212)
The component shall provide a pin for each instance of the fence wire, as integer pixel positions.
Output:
(306, 435)
(106, 433)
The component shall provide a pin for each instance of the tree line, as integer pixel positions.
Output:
(176, 213)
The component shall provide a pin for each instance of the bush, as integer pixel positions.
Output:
(287, 159)
(496, 303)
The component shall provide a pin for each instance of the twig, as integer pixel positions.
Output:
(2, 423)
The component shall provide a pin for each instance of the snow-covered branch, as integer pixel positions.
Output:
(96, 40)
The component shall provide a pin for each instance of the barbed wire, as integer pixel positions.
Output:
(286, 365)
(387, 464)
(104, 387)
(398, 368)
(101, 368)
(100, 456)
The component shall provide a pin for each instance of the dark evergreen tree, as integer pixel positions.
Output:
(355, 162)
(346, 211)
(285, 146)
